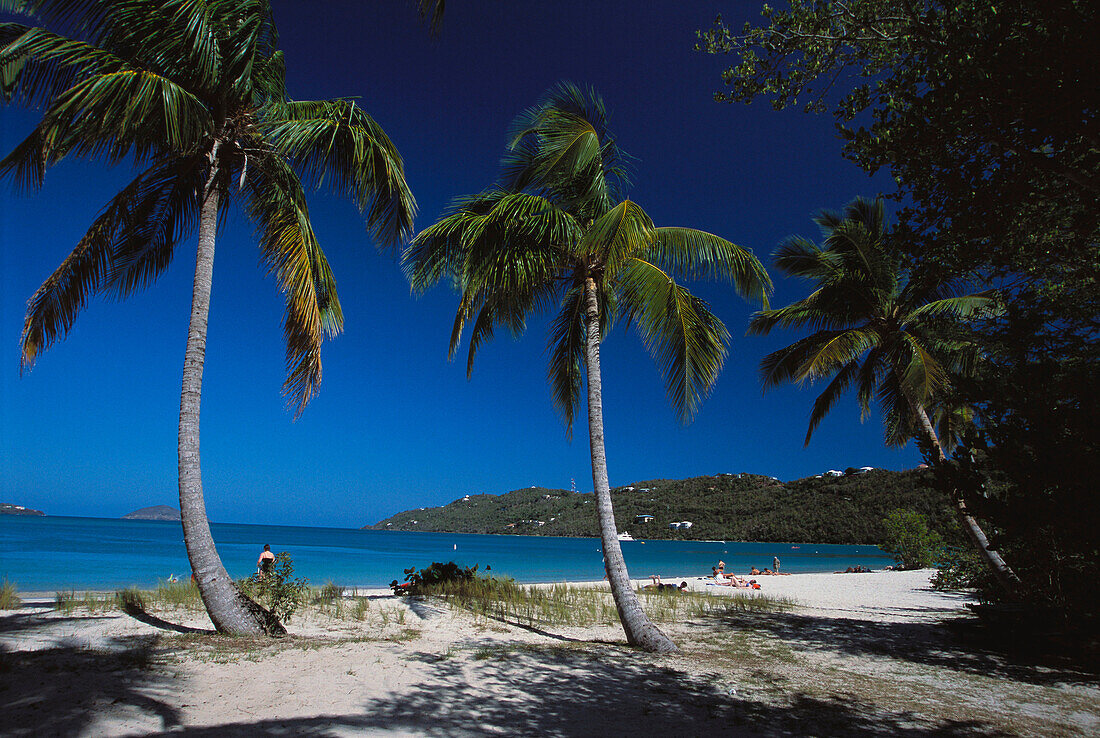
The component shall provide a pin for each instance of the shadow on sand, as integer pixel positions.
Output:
(956, 644)
(565, 692)
(49, 692)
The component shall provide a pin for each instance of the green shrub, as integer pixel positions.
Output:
(960, 568)
(8, 599)
(278, 590)
(908, 537)
(433, 579)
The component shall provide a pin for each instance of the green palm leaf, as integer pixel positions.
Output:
(685, 339)
(565, 349)
(695, 254)
(337, 144)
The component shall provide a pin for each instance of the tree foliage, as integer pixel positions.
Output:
(188, 92)
(877, 328)
(985, 113)
(908, 537)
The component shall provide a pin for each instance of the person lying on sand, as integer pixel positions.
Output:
(657, 584)
(730, 580)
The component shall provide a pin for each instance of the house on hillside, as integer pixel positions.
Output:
(643, 518)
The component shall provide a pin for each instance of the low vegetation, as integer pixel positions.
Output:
(557, 605)
(8, 599)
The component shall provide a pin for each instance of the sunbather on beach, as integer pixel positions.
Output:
(658, 584)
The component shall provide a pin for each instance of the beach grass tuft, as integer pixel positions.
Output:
(9, 600)
(571, 605)
(180, 595)
(130, 601)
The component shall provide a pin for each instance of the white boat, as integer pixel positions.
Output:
(625, 536)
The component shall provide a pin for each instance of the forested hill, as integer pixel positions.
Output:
(731, 507)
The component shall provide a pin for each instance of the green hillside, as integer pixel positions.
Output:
(731, 507)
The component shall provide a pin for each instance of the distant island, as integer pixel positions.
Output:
(834, 507)
(156, 512)
(7, 508)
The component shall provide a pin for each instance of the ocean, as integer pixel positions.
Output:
(48, 554)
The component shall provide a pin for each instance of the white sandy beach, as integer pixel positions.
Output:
(861, 654)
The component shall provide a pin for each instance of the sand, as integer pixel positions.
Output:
(860, 654)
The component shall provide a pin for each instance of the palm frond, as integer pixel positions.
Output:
(616, 236)
(685, 339)
(432, 12)
(161, 211)
(55, 304)
(800, 257)
(336, 144)
(816, 356)
(825, 401)
(276, 204)
(565, 350)
(112, 114)
(563, 147)
(977, 305)
(39, 65)
(694, 254)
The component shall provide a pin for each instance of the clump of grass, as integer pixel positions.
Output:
(563, 604)
(130, 601)
(179, 595)
(64, 602)
(9, 600)
(329, 593)
(668, 606)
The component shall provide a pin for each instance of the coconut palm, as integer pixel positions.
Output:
(554, 234)
(876, 330)
(194, 92)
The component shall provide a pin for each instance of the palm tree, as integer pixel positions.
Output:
(876, 330)
(554, 233)
(194, 91)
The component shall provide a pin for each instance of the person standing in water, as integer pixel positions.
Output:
(775, 564)
(266, 562)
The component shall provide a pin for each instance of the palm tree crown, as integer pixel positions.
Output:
(556, 220)
(875, 328)
(192, 91)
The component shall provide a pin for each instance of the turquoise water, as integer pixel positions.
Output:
(44, 554)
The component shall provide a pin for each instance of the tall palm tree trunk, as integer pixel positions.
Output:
(230, 611)
(639, 630)
(1002, 572)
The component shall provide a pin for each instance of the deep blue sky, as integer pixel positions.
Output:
(92, 429)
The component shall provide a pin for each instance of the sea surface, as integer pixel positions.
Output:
(52, 553)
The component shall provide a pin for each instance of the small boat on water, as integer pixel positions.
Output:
(625, 536)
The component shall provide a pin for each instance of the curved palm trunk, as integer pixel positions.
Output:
(1002, 572)
(639, 630)
(230, 611)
